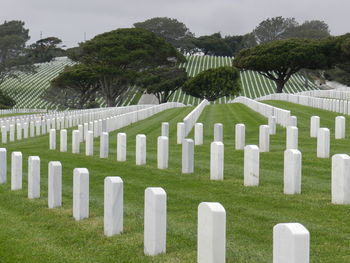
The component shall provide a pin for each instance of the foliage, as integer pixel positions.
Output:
(213, 45)
(279, 60)
(214, 83)
(13, 53)
(163, 82)
(119, 57)
(6, 102)
(173, 31)
(44, 50)
(76, 87)
(237, 43)
(314, 29)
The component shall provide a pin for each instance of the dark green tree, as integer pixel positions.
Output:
(314, 29)
(14, 57)
(214, 83)
(213, 45)
(237, 43)
(163, 82)
(120, 57)
(279, 60)
(173, 31)
(76, 87)
(274, 29)
(6, 102)
(44, 50)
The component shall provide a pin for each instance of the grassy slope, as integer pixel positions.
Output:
(32, 233)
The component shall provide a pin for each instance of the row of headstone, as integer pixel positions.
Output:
(190, 120)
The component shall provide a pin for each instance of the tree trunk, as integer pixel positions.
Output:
(279, 86)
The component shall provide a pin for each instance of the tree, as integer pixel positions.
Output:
(237, 43)
(76, 87)
(6, 102)
(314, 29)
(121, 56)
(214, 83)
(274, 29)
(44, 50)
(173, 31)
(279, 60)
(163, 82)
(213, 45)
(13, 52)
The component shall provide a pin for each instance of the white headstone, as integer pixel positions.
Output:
(33, 177)
(198, 134)
(291, 243)
(240, 136)
(341, 179)
(314, 126)
(217, 160)
(162, 152)
(3, 134)
(292, 138)
(187, 156)
(292, 172)
(113, 206)
(272, 125)
(89, 144)
(340, 127)
(55, 184)
(104, 143)
(81, 132)
(16, 171)
(141, 149)
(293, 121)
(264, 138)
(323, 143)
(155, 221)
(12, 133)
(3, 165)
(211, 233)
(25, 130)
(19, 131)
(121, 147)
(165, 129)
(63, 140)
(180, 132)
(75, 141)
(218, 132)
(80, 193)
(251, 165)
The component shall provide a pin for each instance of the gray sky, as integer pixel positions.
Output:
(69, 19)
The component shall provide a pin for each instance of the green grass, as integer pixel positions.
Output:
(30, 232)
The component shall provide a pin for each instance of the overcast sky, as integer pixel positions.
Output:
(69, 19)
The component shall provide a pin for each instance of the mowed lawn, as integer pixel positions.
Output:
(30, 232)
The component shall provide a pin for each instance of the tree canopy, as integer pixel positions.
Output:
(214, 83)
(13, 52)
(163, 82)
(44, 50)
(279, 60)
(213, 45)
(172, 30)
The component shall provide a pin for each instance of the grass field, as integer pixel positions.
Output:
(30, 232)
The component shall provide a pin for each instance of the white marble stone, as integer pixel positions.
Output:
(31, 129)
(292, 172)
(19, 131)
(218, 132)
(33, 177)
(291, 243)
(25, 130)
(272, 125)
(80, 193)
(314, 126)
(340, 127)
(96, 134)
(3, 165)
(293, 121)
(52, 139)
(3, 134)
(63, 140)
(16, 171)
(165, 129)
(141, 152)
(86, 129)
(323, 144)
(251, 165)
(292, 137)
(113, 206)
(89, 144)
(104, 144)
(38, 128)
(12, 133)
(162, 152)
(155, 221)
(198, 134)
(264, 138)
(341, 179)
(217, 160)
(239, 136)
(55, 184)
(121, 147)
(187, 156)
(181, 133)
(81, 132)
(75, 141)
(211, 233)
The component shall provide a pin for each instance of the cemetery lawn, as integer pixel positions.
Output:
(30, 232)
